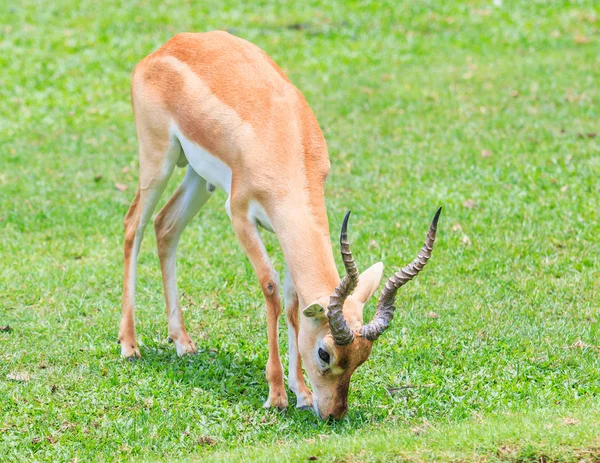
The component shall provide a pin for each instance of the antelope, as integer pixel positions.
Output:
(221, 106)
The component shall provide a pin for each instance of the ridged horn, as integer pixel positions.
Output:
(385, 306)
(341, 332)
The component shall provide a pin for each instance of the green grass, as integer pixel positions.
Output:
(545, 435)
(409, 95)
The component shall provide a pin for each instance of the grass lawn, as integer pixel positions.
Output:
(491, 111)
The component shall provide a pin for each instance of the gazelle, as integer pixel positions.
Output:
(221, 106)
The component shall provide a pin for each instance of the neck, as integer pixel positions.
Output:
(303, 234)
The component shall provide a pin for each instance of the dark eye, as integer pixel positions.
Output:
(324, 355)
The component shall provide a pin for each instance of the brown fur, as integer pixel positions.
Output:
(229, 97)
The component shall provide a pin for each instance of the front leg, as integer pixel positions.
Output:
(304, 397)
(252, 244)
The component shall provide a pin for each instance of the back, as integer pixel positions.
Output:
(229, 97)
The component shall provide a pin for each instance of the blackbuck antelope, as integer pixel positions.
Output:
(220, 106)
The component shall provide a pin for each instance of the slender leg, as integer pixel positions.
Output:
(252, 244)
(169, 225)
(153, 179)
(304, 398)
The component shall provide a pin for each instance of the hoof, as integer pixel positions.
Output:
(130, 351)
(278, 401)
(186, 347)
(304, 400)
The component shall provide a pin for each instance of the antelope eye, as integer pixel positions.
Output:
(324, 355)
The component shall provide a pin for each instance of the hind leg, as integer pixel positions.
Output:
(169, 225)
(157, 161)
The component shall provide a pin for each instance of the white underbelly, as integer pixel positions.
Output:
(217, 173)
(207, 166)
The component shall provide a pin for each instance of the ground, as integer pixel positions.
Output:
(489, 109)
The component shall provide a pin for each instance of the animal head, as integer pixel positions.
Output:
(333, 340)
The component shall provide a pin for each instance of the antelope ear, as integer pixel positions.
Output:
(315, 310)
(368, 282)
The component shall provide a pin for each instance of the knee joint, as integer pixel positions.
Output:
(162, 230)
(269, 283)
(130, 233)
(270, 287)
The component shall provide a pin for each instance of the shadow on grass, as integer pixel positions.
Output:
(236, 378)
(230, 374)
